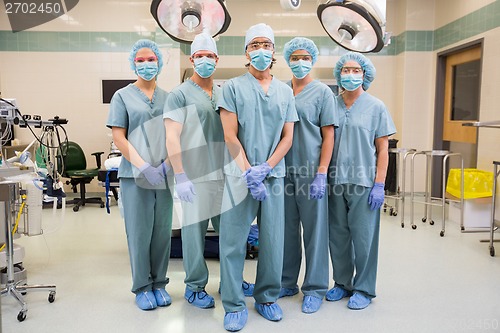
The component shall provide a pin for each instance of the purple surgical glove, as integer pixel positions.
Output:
(256, 174)
(318, 186)
(184, 187)
(153, 176)
(259, 192)
(163, 168)
(376, 197)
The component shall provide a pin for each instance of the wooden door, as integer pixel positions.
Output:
(462, 95)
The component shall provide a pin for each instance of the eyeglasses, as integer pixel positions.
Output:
(258, 45)
(297, 57)
(353, 70)
(149, 59)
(199, 56)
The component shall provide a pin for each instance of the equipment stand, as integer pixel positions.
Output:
(8, 195)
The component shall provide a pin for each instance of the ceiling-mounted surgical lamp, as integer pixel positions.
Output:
(356, 25)
(182, 20)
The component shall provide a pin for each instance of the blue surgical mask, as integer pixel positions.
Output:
(300, 68)
(351, 82)
(147, 70)
(261, 59)
(204, 66)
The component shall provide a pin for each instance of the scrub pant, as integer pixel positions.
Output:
(195, 216)
(148, 224)
(354, 237)
(314, 217)
(234, 229)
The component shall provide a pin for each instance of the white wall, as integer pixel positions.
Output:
(68, 83)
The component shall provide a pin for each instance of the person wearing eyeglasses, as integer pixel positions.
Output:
(257, 113)
(306, 198)
(357, 176)
(135, 118)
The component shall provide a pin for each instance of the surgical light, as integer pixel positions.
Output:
(182, 20)
(356, 25)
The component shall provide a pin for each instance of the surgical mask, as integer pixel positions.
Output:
(351, 82)
(204, 66)
(147, 70)
(300, 68)
(261, 59)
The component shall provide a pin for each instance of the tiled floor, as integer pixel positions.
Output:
(426, 283)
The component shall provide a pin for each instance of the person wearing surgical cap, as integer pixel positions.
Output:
(195, 142)
(306, 198)
(135, 118)
(258, 114)
(357, 177)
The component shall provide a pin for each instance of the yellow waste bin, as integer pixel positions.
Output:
(477, 183)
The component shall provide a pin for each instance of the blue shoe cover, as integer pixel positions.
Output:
(271, 311)
(199, 299)
(336, 294)
(145, 300)
(311, 304)
(248, 288)
(358, 301)
(235, 321)
(284, 292)
(162, 297)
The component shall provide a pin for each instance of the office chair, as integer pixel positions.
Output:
(74, 166)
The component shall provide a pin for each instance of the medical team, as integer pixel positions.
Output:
(309, 166)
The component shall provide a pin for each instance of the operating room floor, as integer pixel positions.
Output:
(426, 283)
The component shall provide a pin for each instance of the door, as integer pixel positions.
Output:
(461, 96)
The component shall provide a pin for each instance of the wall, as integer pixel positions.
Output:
(57, 68)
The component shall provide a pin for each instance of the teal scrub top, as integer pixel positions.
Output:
(354, 158)
(316, 108)
(202, 137)
(261, 118)
(130, 108)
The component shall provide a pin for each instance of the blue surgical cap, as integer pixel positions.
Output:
(259, 30)
(149, 44)
(203, 42)
(300, 43)
(365, 63)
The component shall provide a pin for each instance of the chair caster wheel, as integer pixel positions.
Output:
(431, 222)
(102, 205)
(21, 316)
(441, 233)
(414, 226)
(76, 208)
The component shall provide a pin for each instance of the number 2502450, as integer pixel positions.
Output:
(33, 8)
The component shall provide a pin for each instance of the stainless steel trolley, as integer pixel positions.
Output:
(490, 124)
(401, 155)
(429, 200)
(496, 173)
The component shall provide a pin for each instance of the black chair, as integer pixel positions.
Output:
(74, 166)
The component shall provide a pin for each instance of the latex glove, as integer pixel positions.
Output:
(259, 192)
(184, 187)
(164, 168)
(318, 186)
(152, 175)
(376, 197)
(256, 174)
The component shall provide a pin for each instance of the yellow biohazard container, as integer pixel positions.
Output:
(477, 183)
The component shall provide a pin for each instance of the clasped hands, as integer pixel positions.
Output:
(254, 178)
